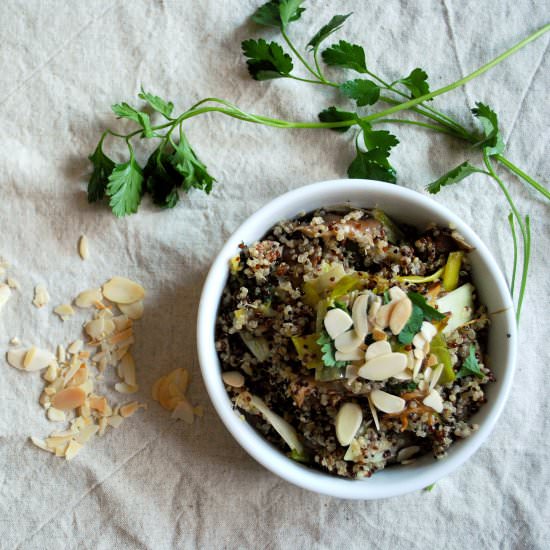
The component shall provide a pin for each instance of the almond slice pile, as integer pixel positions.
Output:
(71, 374)
(170, 391)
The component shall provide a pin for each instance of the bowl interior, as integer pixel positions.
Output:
(404, 206)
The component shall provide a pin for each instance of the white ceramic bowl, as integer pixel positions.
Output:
(405, 206)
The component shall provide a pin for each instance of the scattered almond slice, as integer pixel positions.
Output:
(122, 387)
(69, 398)
(64, 311)
(40, 443)
(359, 315)
(155, 389)
(88, 298)
(133, 311)
(347, 422)
(30, 360)
(337, 322)
(75, 347)
(348, 341)
(15, 341)
(407, 453)
(56, 415)
(377, 348)
(83, 248)
(383, 367)
(355, 355)
(184, 411)
(41, 296)
(13, 283)
(122, 322)
(233, 378)
(434, 401)
(123, 291)
(5, 294)
(86, 433)
(382, 318)
(115, 421)
(72, 449)
(387, 402)
(400, 315)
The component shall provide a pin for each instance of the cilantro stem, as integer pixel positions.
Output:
(435, 127)
(520, 173)
(320, 82)
(462, 81)
(299, 56)
(318, 66)
(515, 261)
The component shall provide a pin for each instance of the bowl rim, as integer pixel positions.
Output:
(252, 442)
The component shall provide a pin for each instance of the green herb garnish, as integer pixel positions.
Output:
(470, 366)
(327, 348)
(412, 327)
(430, 313)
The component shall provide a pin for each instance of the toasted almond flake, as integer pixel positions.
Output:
(71, 372)
(348, 341)
(379, 335)
(88, 298)
(337, 322)
(99, 356)
(387, 402)
(434, 401)
(436, 375)
(64, 311)
(51, 373)
(40, 443)
(418, 341)
(15, 341)
(377, 348)
(56, 415)
(129, 409)
(86, 433)
(198, 411)
(29, 356)
(125, 343)
(184, 411)
(353, 452)
(60, 451)
(38, 359)
(80, 378)
(396, 294)
(155, 389)
(123, 291)
(418, 353)
(98, 403)
(83, 247)
(375, 304)
(13, 283)
(61, 356)
(44, 400)
(383, 367)
(95, 328)
(122, 387)
(351, 372)
(428, 331)
(115, 421)
(400, 315)
(122, 322)
(355, 355)
(5, 294)
(407, 453)
(347, 422)
(102, 365)
(128, 369)
(87, 387)
(121, 336)
(69, 398)
(72, 449)
(55, 442)
(75, 347)
(109, 327)
(403, 375)
(133, 311)
(102, 423)
(382, 318)
(359, 315)
(233, 378)
(41, 296)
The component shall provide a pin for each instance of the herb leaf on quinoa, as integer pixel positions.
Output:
(430, 313)
(412, 327)
(470, 366)
(327, 348)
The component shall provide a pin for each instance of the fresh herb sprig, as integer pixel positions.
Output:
(174, 166)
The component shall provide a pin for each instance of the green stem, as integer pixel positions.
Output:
(515, 261)
(435, 127)
(299, 55)
(320, 82)
(527, 258)
(520, 173)
(417, 100)
(318, 66)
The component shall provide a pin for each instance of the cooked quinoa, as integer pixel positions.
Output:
(347, 308)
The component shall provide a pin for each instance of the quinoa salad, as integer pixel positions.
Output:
(352, 343)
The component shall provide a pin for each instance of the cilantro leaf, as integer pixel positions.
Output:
(386, 297)
(377, 139)
(278, 13)
(158, 104)
(327, 349)
(365, 92)
(99, 179)
(123, 110)
(373, 165)
(430, 313)
(416, 82)
(125, 187)
(161, 178)
(453, 176)
(470, 366)
(194, 172)
(341, 305)
(326, 30)
(266, 60)
(493, 142)
(412, 327)
(333, 114)
(346, 56)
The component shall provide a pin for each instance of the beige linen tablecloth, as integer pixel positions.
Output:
(158, 483)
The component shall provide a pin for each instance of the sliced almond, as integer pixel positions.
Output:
(86, 433)
(233, 378)
(400, 315)
(122, 322)
(108, 327)
(359, 315)
(133, 311)
(337, 322)
(122, 387)
(379, 335)
(38, 359)
(83, 247)
(41, 296)
(436, 375)
(129, 409)
(374, 413)
(51, 373)
(347, 422)
(434, 401)
(383, 367)
(123, 291)
(128, 369)
(5, 294)
(41, 444)
(184, 411)
(56, 415)
(375, 304)
(61, 353)
(15, 341)
(115, 421)
(419, 341)
(428, 331)
(382, 318)
(351, 373)
(13, 283)
(348, 341)
(98, 403)
(29, 356)
(377, 348)
(72, 449)
(155, 389)
(88, 298)
(396, 294)
(69, 398)
(87, 387)
(403, 375)
(64, 311)
(121, 337)
(387, 402)
(407, 453)
(95, 328)
(355, 355)
(55, 442)
(102, 423)
(75, 347)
